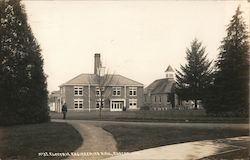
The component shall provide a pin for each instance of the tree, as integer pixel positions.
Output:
(23, 88)
(232, 69)
(102, 81)
(195, 76)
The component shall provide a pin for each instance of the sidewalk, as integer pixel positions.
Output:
(95, 141)
(190, 150)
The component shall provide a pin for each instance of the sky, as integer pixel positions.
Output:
(136, 39)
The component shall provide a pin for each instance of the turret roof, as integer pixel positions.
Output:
(169, 69)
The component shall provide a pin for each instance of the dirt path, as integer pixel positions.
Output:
(97, 143)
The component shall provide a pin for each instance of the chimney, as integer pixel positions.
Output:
(98, 63)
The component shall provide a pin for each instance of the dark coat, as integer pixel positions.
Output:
(64, 108)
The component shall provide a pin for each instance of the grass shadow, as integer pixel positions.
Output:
(27, 141)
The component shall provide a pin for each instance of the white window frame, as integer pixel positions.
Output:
(78, 91)
(132, 103)
(98, 101)
(98, 91)
(79, 103)
(116, 91)
(132, 91)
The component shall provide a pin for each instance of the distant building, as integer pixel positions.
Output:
(160, 94)
(54, 101)
(118, 93)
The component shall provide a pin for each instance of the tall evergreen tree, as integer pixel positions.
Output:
(23, 88)
(232, 69)
(195, 76)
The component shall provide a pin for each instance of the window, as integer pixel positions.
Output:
(133, 103)
(159, 98)
(98, 103)
(78, 91)
(98, 91)
(132, 91)
(117, 105)
(116, 91)
(169, 96)
(78, 103)
(170, 75)
(155, 98)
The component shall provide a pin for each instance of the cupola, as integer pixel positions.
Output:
(169, 72)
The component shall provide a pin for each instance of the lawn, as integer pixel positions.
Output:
(133, 137)
(193, 116)
(27, 141)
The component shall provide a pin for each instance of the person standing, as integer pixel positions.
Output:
(64, 110)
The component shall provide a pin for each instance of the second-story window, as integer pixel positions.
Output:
(116, 91)
(98, 91)
(78, 91)
(132, 91)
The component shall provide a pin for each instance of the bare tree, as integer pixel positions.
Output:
(102, 80)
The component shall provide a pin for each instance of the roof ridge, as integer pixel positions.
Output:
(169, 69)
(83, 78)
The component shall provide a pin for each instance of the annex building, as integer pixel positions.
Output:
(160, 94)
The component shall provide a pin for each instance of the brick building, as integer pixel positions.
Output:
(112, 92)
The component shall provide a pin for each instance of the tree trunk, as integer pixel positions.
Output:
(195, 104)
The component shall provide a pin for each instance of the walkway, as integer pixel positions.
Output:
(96, 141)
(100, 144)
(190, 150)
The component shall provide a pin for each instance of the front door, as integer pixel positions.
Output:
(117, 105)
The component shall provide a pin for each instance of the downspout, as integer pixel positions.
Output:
(125, 93)
(89, 97)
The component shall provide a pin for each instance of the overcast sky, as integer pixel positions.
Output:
(137, 39)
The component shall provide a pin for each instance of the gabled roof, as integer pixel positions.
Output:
(110, 80)
(55, 92)
(169, 69)
(161, 86)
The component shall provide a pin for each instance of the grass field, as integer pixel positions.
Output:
(193, 116)
(133, 137)
(25, 142)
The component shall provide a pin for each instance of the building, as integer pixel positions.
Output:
(112, 92)
(54, 101)
(160, 94)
